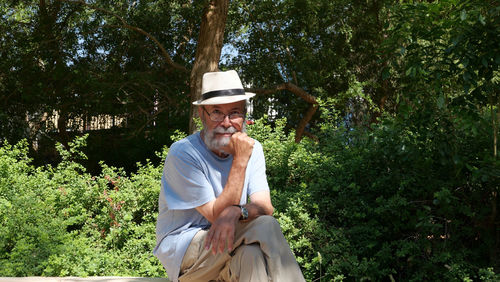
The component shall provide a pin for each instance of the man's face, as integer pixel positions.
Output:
(217, 134)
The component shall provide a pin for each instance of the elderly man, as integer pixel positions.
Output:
(206, 230)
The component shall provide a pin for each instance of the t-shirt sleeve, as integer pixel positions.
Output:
(258, 180)
(185, 184)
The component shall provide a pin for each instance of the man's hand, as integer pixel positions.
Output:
(222, 230)
(241, 147)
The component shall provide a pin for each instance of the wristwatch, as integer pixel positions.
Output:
(244, 212)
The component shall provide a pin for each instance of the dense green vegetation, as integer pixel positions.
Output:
(398, 179)
(404, 200)
(60, 221)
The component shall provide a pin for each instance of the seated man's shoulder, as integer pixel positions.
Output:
(184, 147)
(184, 142)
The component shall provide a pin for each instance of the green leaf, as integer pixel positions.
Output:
(386, 73)
(408, 71)
(411, 71)
(465, 62)
(484, 62)
(440, 101)
(466, 76)
(482, 19)
(463, 15)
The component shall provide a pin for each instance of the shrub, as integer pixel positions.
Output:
(409, 199)
(62, 221)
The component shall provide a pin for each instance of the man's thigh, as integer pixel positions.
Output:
(200, 264)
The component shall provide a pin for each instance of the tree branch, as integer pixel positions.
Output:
(164, 52)
(299, 132)
(286, 86)
(305, 120)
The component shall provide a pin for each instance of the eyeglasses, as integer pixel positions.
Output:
(219, 116)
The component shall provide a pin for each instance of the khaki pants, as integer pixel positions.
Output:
(260, 253)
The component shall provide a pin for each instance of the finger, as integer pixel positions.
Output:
(215, 243)
(242, 142)
(222, 244)
(230, 241)
(242, 137)
(234, 140)
(214, 249)
(208, 239)
(239, 136)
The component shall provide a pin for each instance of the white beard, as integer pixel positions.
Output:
(216, 144)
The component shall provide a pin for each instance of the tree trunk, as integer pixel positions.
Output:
(62, 130)
(208, 49)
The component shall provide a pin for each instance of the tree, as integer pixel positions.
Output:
(208, 49)
(83, 61)
(327, 49)
(446, 66)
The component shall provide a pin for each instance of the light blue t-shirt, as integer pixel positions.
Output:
(192, 176)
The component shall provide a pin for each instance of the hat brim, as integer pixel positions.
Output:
(224, 99)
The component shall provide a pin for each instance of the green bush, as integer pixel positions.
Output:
(62, 221)
(407, 200)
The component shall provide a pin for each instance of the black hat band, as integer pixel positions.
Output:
(225, 92)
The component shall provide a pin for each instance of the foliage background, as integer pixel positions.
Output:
(398, 179)
(388, 203)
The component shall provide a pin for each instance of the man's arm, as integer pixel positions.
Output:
(260, 204)
(221, 212)
(231, 194)
(240, 147)
(222, 230)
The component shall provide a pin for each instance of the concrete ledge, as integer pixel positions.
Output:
(76, 279)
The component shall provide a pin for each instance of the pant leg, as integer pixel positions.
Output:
(280, 261)
(199, 264)
(248, 264)
(265, 232)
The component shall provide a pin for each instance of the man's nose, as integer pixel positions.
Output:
(226, 122)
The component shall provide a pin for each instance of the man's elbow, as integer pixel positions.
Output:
(208, 211)
(269, 210)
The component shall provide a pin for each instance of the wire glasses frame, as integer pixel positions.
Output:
(219, 116)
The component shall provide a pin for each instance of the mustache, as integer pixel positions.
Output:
(222, 130)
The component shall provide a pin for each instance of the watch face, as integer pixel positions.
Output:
(244, 213)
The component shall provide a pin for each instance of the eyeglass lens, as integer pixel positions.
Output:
(219, 116)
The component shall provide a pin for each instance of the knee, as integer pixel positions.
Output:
(262, 229)
(268, 222)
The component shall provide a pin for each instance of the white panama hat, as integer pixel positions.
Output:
(222, 87)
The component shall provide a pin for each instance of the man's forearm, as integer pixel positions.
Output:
(231, 194)
(240, 147)
(255, 210)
